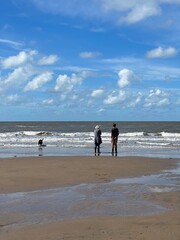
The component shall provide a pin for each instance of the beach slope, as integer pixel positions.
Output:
(28, 174)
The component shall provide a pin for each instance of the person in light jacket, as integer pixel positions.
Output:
(97, 139)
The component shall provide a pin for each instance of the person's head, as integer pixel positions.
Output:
(97, 127)
(114, 125)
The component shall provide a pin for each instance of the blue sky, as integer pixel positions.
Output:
(105, 60)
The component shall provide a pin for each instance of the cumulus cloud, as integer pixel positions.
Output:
(97, 93)
(124, 98)
(162, 52)
(65, 83)
(48, 60)
(38, 81)
(18, 75)
(15, 61)
(89, 54)
(157, 98)
(115, 98)
(126, 76)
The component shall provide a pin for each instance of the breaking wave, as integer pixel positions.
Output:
(85, 139)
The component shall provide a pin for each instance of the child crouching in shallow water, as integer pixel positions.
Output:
(40, 142)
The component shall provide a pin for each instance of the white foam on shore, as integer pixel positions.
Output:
(23, 143)
(161, 189)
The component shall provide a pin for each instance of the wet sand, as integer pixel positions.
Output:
(29, 174)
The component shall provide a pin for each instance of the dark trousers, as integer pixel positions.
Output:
(97, 147)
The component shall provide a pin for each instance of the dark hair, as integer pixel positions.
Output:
(114, 125)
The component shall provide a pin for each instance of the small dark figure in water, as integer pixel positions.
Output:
(114, 138)
(40, 142)
(97, 139)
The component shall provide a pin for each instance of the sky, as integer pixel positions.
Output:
(89, 60)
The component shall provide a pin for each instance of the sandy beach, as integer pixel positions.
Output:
(37, 173)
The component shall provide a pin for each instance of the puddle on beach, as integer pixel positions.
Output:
(119, 197)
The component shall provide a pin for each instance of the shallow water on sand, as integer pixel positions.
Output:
(123, 197)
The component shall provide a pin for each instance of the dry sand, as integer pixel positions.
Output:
(26, 174)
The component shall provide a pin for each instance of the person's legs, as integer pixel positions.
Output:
(95, 147)
(112, 146)
(116, 140)
(115, 147)
(98, 148)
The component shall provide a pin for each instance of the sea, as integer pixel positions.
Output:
(150, 139)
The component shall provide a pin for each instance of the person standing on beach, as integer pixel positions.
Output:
(114, 138)
(97, 139)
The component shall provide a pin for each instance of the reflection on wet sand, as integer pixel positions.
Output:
(119, 197)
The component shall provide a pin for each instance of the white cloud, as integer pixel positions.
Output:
(48, 60)
(129, 12)
(162, 52)
(15, 61)
(115, 98)
(135, 100)
(48, 101)
(38, 81)
(18, 75)
(65, 84)
(140, 12)
(163, 102)
(97, 93)
(126, 76)
(77, 78)
(89, 54)
(133, 11)
(9, 42)
(101, 110)
(157, 98)
(124, 98)
(12, 98)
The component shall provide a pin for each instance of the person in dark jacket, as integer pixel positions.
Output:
(114, 138)
(97, 139)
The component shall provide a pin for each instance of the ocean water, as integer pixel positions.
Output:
(154, 139)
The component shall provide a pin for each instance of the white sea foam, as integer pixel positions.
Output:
(173, 135)
(160, 189)
(136, 139)
(60, 141)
